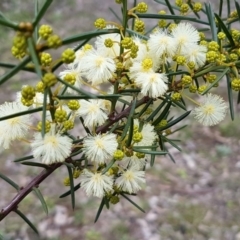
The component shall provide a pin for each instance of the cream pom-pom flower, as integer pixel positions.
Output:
(160, 42)
(211, 111)
(195, 53)
(100, 148)
(93, 111)
(51, 148)
(113, 51)
(96, 184)
(96, 68)
(184, 35)
(73, 70)
(130, 181)
(152, 84)
(148, 133)
(13, 128)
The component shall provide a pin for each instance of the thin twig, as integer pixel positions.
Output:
(26, 190)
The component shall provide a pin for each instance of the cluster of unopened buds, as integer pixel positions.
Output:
(113, 161)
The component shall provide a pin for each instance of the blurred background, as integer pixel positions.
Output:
(197, 198)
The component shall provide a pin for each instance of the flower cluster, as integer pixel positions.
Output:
(121, 90)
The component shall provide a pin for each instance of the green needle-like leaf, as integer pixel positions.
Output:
(152, 160)
(216, 81)
(75, 153)
(170, 17)
(80, 37)
(172, 158)
(17, 68)
(44, 112)
(133, 33)
(161, 143)
(21, 113)
(124, 102)
(1, 237)
(203, 29)
(108, 97)
(133, 203)
(108, 166)
(68, 164)
(162, 115)
(69, 192)
(172, 123)
(238, 9)
(42, 11)
(133, 20)
(147, 151)
(26, 220)
(10, 65)
(172, 143)
(153, 156)
(83, 125)
(177, 103)
(100, 209)
(24, 158)
(220, 8)
(228, 7)
(230, 97)
(211, 20)
(114, 127)
(150, 101)
(169, 7)
(8, 180)
(80, 91)
(238, 100)
(191, 6)
(7, 23)
(209, 69)
(178, 72)
(164, 3)
(126, 128)
(225, 30)
(35, 164)
(125, 19)
(71, 186)
(130, 133)
(115, 14)
(36, 11)
(178, 129)
(34, 57)
(145, 147)
(137, 90)
(107, 203)
(156, 111)
(56, 66)
(40, 196)
(2, 16)
(151, 29)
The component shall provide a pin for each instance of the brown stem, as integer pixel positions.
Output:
(35, 182)
(121, 115)
(26, 190)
